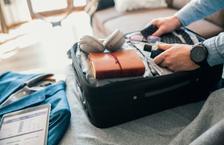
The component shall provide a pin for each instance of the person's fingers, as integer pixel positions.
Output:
(154, 22)
(158, 33)
(164, 46)
(159, 59)
(162, 64)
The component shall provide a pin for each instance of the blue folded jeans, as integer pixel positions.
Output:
(53, 94)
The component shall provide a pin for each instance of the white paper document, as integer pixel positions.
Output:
(26, 127)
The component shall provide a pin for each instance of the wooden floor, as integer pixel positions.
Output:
(42, 47)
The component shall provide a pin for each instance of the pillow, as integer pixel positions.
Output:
(128, 5)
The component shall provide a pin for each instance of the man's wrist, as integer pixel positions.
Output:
(181, 19)
(176, 21)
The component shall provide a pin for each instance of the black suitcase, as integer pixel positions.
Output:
(126, 100)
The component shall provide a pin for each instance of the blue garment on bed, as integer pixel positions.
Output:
(53, 94)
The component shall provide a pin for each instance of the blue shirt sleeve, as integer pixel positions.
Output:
(215, 46)
(198, 9)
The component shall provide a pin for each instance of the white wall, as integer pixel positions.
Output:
(17, 12)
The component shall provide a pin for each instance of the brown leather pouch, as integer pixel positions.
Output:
(116, 64)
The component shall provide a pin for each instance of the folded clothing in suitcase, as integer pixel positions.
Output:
(53, 94)
(113, 101)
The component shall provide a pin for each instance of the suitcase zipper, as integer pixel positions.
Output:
(164, 90)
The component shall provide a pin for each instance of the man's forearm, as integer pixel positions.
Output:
(198, 9)
(215, 46)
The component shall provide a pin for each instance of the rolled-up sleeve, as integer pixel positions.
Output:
(215, 46)
(198, 9)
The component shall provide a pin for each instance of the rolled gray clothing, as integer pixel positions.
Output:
(210, 114)
(213, 136)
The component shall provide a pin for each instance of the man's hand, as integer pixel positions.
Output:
(165, 25)
(176, 57)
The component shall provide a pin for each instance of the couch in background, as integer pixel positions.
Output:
(106, 19)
